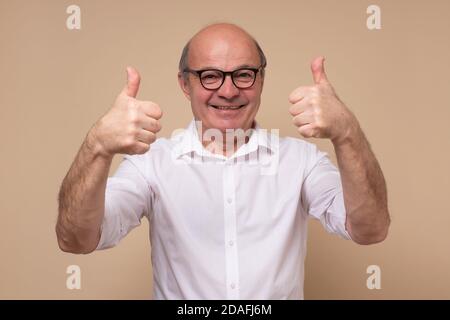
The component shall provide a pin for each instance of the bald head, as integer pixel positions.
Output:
(223, 29)
(220, 39)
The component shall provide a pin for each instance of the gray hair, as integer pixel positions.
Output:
(183, 65)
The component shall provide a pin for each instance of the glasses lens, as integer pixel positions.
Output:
(244, 78)
(211, 79)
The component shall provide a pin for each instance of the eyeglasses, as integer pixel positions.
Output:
(212, 79)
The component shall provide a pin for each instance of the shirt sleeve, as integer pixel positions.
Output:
(127, 200)
(322, 194)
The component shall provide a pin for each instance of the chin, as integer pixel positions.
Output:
(223, 124)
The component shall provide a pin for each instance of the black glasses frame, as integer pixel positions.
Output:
(198, 73)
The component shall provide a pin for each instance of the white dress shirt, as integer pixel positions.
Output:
(225, 228)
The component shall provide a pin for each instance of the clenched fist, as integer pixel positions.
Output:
(317, 110)
(130, 126)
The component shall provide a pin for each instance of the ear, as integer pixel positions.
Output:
(184, 85)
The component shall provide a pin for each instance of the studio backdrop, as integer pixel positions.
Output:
(62, 64)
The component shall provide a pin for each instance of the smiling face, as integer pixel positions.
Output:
(227, 48)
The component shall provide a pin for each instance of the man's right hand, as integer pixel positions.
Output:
(130, 126)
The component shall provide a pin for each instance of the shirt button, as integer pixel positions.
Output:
(229, 200)
(233, 286)
(231, 243)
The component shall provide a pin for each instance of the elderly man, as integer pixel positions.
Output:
(219, 227)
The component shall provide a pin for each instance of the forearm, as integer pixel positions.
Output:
(82, 199)
(364, 188)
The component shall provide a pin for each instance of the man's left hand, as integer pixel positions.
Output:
(318, 112)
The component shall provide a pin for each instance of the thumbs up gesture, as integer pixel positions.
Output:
(317, 111)
(130, 126)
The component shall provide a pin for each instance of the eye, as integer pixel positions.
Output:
(211, 76)
(244, 75)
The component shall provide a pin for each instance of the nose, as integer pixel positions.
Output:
(228, 90)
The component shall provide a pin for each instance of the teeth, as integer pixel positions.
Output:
(227, 107)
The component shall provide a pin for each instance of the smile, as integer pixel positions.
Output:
(227, 107)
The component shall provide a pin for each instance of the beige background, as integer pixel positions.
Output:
(55, 83)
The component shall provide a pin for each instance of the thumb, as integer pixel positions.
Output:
(133, 80)
(318, 70)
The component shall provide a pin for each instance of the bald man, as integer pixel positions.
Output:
(220, 226)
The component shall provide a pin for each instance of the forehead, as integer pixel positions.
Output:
(225, 51)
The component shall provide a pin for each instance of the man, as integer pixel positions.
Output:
(219, 228)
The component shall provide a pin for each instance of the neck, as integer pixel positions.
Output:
(225, 142)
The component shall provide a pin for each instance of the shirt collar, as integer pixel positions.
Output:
(188, 142)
